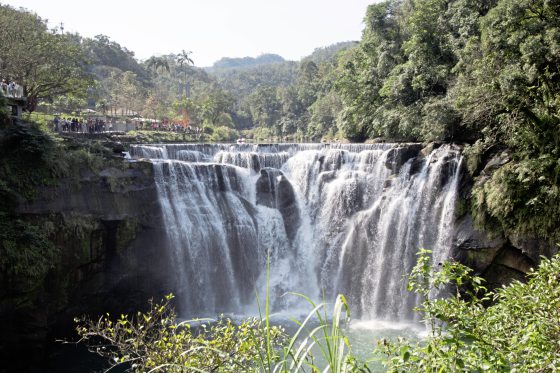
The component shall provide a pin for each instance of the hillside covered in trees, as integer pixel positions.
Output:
(484, 73)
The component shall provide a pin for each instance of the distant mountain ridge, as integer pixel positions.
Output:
(247, 62)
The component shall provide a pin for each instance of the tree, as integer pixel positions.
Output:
(264, 106)
(45, 63)
(104, 52)
(214, 104)
(154, 340)
(157, 64)
(508, 91)
(184, 60)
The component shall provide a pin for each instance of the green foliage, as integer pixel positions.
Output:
(224, 134)
(518, 332)
(44, 62)
(484, 72)
(3, 111)
(104, 52)
(146, 137)
(26, 253)
(30, 159)
(328, 53)
(507, 91)
(395, 84)
(154, 340)
(27, 158)
(264, 106)
(524, 196)
(247, 62)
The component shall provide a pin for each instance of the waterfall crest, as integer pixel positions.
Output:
(338, 218)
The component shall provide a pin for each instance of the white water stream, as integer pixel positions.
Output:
(332, 219)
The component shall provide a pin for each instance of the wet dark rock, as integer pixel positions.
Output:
(533, 247)
(274, 190)
(334, 160)
(417, 164)
(499, 257)
(399, 156)
(116, 147)
(428, 149)
(447, 170)
(496, 259)
(266, 187)
(288, 207)
(473, 247)
(495, 163)
(255, 161)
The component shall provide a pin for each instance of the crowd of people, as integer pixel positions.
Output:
(168, 127)
(90, 125)
(98, 125)
(11, 88)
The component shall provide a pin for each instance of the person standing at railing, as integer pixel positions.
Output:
(11, 89)
(4, 87)
(19, 90)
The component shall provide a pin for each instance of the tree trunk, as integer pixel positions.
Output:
(31, 104)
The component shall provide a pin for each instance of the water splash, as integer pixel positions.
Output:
(331, 218)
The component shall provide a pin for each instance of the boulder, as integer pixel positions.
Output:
(274, 190)
(532, 247)
(473, 247)
(396, 157)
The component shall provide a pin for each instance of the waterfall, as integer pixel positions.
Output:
(330, 218)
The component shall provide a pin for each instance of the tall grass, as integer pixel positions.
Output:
(327, 338)
(318, 332)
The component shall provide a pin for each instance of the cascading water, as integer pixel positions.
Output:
(329, 218)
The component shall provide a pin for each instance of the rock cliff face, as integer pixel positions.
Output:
(105, 226)
(495, 255)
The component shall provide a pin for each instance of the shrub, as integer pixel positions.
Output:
(156, 341)
(223, 133)
(519, 332)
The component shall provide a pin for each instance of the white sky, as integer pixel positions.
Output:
(211, 29)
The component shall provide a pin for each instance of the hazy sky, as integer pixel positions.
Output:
(211, 29)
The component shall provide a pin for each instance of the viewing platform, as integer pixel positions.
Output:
(15, 105)
(15, 99)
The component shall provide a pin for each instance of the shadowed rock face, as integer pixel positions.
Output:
(275, 191)
(105, 226)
